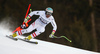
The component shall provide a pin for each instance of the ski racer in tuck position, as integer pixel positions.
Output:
(45, 17)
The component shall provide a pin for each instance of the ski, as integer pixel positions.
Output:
(11, 37)
(28, 41)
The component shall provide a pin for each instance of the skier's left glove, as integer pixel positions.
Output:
(26, 19)
(51, 35)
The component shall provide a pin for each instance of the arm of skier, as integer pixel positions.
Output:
(27, 19)
(30, 15)
(54, 28)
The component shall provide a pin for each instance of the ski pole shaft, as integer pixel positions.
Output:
(66, 38)
(63, 37)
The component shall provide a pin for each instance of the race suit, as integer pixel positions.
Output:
(39, 24)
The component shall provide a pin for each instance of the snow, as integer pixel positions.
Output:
(9, 46)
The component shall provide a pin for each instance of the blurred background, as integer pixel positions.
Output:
(78, 20)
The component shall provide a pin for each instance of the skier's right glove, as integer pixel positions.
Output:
(23, 26)
(51, 35)
(26, 19)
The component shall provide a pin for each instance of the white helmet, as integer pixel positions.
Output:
(49, 11)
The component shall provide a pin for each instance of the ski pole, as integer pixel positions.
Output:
(63, 37)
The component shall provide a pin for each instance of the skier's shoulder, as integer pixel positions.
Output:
(52, 17)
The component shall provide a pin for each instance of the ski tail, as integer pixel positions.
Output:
(11, 37)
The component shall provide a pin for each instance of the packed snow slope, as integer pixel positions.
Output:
(9, 46)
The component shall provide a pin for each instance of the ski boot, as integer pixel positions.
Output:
(13, 35)
(28, 38)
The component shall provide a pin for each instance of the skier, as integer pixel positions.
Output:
(45, 17)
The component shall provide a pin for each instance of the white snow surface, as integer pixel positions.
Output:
(9, 46)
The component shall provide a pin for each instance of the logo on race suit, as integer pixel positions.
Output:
(43, 20)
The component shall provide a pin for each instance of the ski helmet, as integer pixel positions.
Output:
(49, 11)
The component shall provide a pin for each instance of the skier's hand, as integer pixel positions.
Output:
(26, 19)
(51, 36)
(23, 26)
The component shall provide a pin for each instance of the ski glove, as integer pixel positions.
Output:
(51, 35)
(26, 19)
(23, 26)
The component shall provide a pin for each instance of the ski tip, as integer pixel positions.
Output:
(36, 42)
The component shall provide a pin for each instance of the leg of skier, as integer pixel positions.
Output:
(23, 31)
(40, 30)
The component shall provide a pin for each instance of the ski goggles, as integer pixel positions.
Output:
(48, 13)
